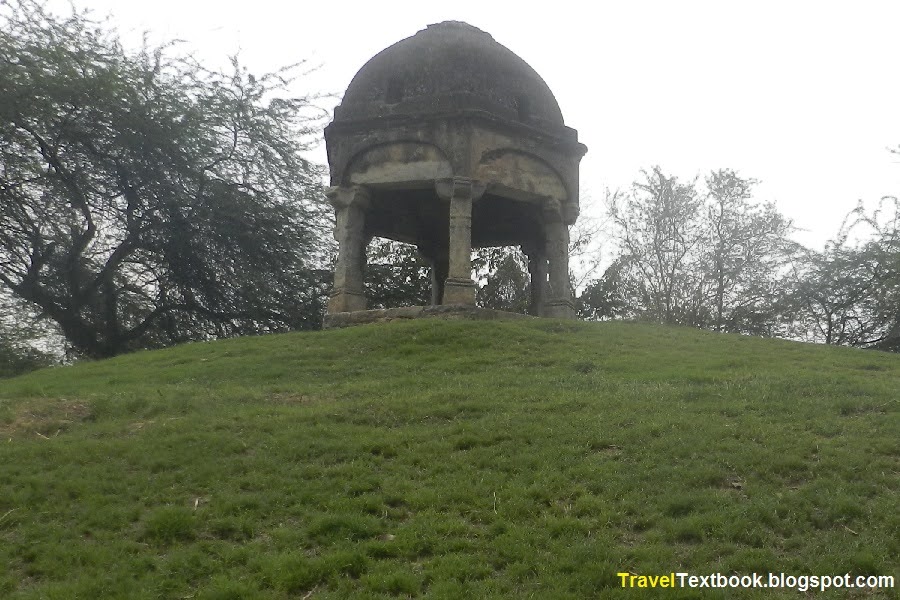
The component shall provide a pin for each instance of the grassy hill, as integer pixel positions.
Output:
(449, 460)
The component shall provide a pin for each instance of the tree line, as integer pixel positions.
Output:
(147, 200)
(707, 254)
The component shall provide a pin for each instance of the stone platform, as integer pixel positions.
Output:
(446, 312)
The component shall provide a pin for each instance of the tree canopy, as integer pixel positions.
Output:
(849, 293)
(702, 255)
(146, 199)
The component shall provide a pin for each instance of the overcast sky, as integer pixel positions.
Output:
(802, 95)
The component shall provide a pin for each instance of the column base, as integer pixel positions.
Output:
(346, 301)
(459, 291)
(559, 309)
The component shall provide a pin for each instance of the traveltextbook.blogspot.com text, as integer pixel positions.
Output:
(801, 583)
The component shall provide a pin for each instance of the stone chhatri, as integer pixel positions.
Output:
(449, 141)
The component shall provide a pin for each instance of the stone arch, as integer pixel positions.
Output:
(396, 162)
(520, 175)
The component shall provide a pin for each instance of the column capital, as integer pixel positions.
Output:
(459, 187)
(342, 196)
(570, 213)
(552, 209)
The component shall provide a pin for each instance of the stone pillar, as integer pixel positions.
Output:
(350, 204)
(537, 269)
(459, 288)
(439, 271)
(438, 261)
(559, 303)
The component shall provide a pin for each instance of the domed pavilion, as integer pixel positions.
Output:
(449, 141)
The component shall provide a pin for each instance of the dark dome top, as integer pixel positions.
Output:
(445, 68)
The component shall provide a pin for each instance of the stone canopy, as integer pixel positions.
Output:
(449, 141)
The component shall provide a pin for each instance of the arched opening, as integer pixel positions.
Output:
(510, 260)
(402, 163)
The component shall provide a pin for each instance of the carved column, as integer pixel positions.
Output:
(350, 205)
(459, 288)
(559, 303)
(439, 271)
(537, 269)
(438, 261)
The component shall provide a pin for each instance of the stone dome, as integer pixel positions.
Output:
(450, 68)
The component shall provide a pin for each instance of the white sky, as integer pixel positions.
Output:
(802, 95)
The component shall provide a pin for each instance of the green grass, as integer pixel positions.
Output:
(449, 460)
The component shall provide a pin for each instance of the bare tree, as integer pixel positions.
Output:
(659, 231)
(711, 258)
(746, 251)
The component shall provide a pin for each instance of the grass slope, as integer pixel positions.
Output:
(448, 460)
